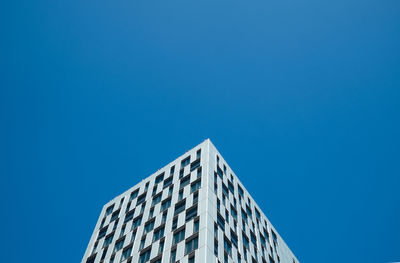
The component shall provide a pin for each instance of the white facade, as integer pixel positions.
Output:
(194, 209)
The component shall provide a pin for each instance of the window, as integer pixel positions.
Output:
(215, 247)
(191, 213)
(185, 181)
(108, 240)
(253, 239)
(151, 212)
(168, 181)
(170, 190)
(172, 170)
(173, 256)
(233, 212)
(136, 222)
(159, 178)
(180, 196)
(129, 216)
(119, 244)
(157, 199)
(191, 259)
(145, 256)
(225, 189)
(149, 226)
(199, 172)
(102, 232)
(196, 225)
(133, 236)
(192, 244)
(234, 239)
(220, 173)
(141, 199)
(198, 153)
(194, 165)
(231, 188)
(179, 207)
(141, 245)
(185, 162)
(161, 248)
(142, 208)
(195, 197)
(114, 215)
(240, 190)
(221, 221)
(109, 209)
(91, 259)
(164, 217)
(122, 230)
(228, 246)
(179, 236)
(245, 240)
(159, 233)
(126, 253)
(165, 204)
(134, 194)
(174, 223)
(195, 186)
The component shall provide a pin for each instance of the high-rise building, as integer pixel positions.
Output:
(194, 209)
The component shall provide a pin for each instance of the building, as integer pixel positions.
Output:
(194, 209)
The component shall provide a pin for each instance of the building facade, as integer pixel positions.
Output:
(193, 210)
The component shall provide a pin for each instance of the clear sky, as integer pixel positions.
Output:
(302, 98)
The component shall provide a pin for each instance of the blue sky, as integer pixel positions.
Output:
(300, 97)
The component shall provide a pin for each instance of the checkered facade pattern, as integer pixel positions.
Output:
(193, 210)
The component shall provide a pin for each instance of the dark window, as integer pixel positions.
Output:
(102, 232)
(149, 226)
(192, 244)
(185, 162)
(129, 216)
(145, 255)
(191, 213)
(227, 246)
(234, 239)
(168, 181)
(220, 173)
(159, 233)
(91, 259)
(240, 190)
(119, 244)
(108, 240)
(231, 188)
(185, 181)
(179, 236)
(114, 215)
(194, 165)
(136, 222)
(225, 189)
(195, 185)
(245, 240)
(134, 194)
(165, 204)
(109, 209)
(159, 178)
(179, 207)
(126, 253)
(253, 238)
(157, 199)
(221, 221)
(141, 199)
